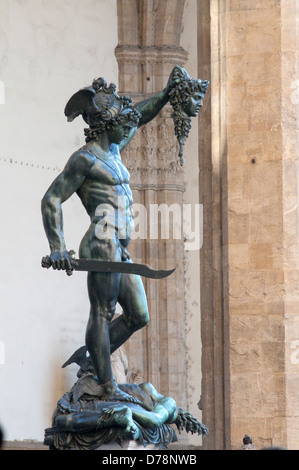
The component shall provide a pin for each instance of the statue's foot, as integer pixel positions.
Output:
(111, 392)
(122, 416)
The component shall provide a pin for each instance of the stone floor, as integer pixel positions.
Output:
(23, 445)
(34, 445)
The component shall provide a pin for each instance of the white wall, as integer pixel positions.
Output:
(49, 49)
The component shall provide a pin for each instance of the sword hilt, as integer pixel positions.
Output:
(47, 262)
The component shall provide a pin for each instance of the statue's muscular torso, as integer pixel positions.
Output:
(106, 192)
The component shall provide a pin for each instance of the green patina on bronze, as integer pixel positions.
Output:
(98, 176)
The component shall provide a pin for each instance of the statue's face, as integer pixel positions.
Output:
(119, 133)
(192, 106)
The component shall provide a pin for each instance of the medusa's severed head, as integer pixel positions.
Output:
(101, 108)
(186, 99)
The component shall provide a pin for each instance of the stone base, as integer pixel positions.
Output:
(127, 445)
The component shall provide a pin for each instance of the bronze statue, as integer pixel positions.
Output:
(84, 421)
(186, 98)
(97, 174)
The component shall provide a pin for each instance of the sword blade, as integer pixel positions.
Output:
(91, 265)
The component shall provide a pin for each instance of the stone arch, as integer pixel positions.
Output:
(168, 28)
(148, 42)
(146, 23)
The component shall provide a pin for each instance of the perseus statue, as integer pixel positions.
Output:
(98, 175)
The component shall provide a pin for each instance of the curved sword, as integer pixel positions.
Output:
(94, 265)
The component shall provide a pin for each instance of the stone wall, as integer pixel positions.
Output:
(252, 193)
(248, 185)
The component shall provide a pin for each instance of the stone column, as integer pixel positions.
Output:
(211, 254)
(290, 184)
(250, 377)
(149, 35)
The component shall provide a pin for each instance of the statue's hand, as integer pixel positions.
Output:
(125, 255)
(59, 260)
(174, 78)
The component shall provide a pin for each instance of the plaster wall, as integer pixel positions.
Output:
(48, 51)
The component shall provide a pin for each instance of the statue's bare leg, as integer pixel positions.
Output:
(132, 299)
(103, 291)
